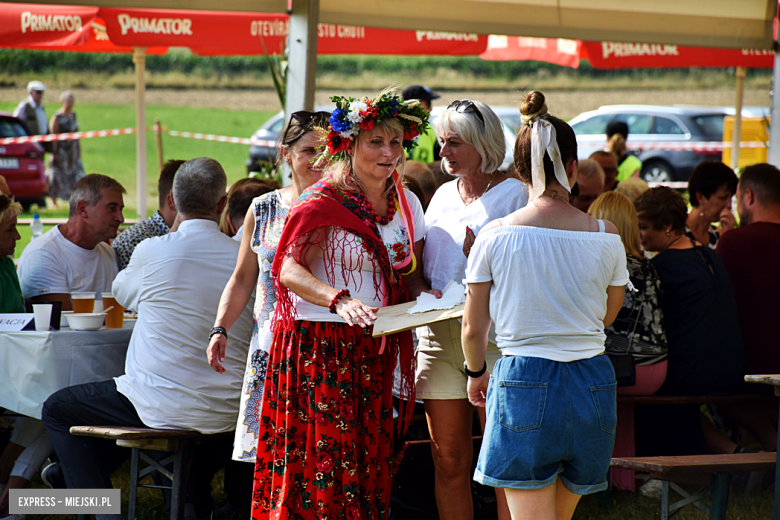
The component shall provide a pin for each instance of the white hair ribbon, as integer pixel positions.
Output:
(544, 139)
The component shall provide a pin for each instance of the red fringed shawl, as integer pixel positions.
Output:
(323, 205)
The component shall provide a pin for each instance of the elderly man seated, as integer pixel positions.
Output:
(174, 282)
(75, 256)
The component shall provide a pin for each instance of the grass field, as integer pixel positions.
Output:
(115, 156)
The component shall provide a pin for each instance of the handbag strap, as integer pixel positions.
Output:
(639, 311)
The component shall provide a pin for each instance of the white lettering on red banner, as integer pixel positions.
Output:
(446, 36)
(757, 52)
(43, 22)
(624, 50)
(567, 47)
(100, 33)
(175, 26)
(325, 30)
(272, 28)
(534, 43)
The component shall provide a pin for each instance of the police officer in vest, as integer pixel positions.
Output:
(31, 111)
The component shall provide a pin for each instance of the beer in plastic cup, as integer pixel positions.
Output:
(115, 318)
(83, 301)
(42, 313)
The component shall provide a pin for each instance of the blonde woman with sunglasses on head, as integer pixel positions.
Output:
(472, 149)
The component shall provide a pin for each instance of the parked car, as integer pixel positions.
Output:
(22, 164)
(267, 135)
(658, 124)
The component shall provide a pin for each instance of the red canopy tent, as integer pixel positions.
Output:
(58, 28)
(231, 33)
(208, 33)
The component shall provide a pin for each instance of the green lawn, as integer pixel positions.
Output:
(115, 156)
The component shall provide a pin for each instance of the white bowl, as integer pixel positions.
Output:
(85, 321)
(64, 318)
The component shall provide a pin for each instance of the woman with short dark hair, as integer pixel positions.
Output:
(710, 189)
(705, 343)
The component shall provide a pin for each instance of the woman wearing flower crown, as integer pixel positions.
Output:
(350, 246)
(551, 278)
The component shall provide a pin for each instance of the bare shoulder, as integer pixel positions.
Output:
(609, 227)
(491, 225)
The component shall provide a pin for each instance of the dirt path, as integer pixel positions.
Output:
(565, 104)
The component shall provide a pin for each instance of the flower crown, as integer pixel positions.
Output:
(352, 115)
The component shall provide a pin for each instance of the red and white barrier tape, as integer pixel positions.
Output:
(66, 136)
(695, 146)
(224, 138)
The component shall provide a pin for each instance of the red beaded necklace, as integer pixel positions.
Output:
(390, 209)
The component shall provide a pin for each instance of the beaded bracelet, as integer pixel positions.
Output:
(335, 300)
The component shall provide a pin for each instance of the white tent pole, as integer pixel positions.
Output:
(736, 136)
(139, 59)
(774, 137)
(302, 58)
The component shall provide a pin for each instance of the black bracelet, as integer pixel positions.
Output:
(476, 374)
(218, 330)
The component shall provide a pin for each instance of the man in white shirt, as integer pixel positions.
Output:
(75, 256)
(31, 111)
(175, 283)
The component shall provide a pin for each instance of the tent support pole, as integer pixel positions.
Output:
(302, 58)
(774, 137)
(139, 59)
(737, 133)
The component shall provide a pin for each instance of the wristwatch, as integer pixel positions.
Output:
(476, 374)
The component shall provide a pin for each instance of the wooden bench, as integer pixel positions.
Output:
(624, 433)
(675, 469)
(180, 442)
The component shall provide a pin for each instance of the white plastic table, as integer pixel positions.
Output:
(34, 365)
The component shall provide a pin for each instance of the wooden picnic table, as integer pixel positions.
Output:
(774, 380)
(624, 479)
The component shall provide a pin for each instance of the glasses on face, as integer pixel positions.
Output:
(307, 118)
(466, 106)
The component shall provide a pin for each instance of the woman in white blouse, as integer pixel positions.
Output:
(550, 277)
(472, 149)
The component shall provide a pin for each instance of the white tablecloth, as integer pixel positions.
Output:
(34, 365)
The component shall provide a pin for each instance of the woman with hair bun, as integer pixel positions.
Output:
(551, 278)
(628, 165)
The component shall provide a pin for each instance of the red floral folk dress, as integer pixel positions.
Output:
(325, 435)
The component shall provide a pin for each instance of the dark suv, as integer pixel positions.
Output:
(657, 124)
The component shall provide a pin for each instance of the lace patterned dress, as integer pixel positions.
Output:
(67, 169)
(270, 216)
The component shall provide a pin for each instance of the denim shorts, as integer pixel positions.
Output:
(547, 419)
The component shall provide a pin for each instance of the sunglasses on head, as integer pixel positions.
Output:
(306, 118)
(465, 106)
